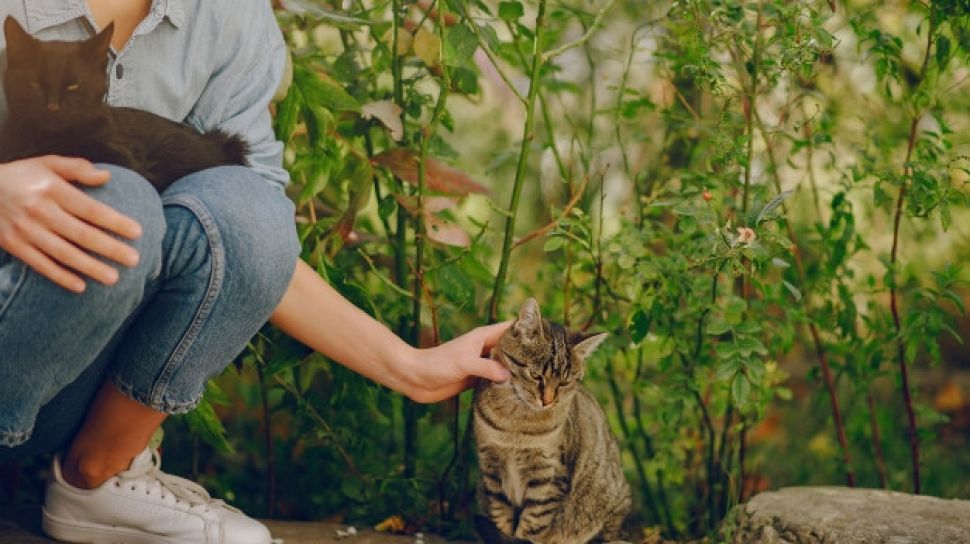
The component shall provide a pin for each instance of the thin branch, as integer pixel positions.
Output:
(549, 55)
(316, 417)
(491, 56)
(552, 224)
(893, 291)
(524, 151)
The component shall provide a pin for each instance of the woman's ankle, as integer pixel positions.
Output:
(89, 471)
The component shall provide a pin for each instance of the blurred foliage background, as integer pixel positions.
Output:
(763, 202)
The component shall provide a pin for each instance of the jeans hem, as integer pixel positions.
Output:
(159, 405)
(14, 438)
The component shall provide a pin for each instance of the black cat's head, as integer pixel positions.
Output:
(546, 360)
(54, 83)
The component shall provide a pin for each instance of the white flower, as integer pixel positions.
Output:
(746, 236)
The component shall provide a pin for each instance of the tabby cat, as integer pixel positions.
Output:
(550, 470)
(55, 94)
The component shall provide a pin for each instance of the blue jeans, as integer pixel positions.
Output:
(218, 251)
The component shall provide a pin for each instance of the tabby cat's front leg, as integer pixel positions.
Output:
(545, 496)
(492, 500)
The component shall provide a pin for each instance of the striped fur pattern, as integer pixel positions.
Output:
(550, 470)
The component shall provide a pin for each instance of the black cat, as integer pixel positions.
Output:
(55, 101)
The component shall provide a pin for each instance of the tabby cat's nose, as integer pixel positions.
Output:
(548, 396)
(53, 107)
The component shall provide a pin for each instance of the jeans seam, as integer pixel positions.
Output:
(216, 254)
(136, 395)
(16, 288)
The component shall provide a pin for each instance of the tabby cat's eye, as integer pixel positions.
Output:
(535, 375)
(73, 87)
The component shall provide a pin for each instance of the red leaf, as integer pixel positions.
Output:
(445, 232)
(439, 177)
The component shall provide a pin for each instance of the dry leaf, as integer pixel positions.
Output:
(445, 232)
(439, 177)
(403, 41)
(394, 524)
(432, 204)
(435, 204)
(388, 113)
(427, 46)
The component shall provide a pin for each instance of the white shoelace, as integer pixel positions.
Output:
(182, 489)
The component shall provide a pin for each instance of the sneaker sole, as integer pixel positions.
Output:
(85, 533)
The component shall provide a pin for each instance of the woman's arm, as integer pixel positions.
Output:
(317, 315)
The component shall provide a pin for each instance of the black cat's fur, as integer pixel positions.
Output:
(55, 94)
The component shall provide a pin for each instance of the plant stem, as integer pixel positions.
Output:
(628, 436)
(268, 442)
(877, 441)
(527, 137)
(586, 36)
(893, 260)
(668, 519)
(820, 351)
(750, 108)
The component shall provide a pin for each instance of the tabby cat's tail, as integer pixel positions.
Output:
(234, 149)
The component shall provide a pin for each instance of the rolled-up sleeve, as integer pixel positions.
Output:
(250, 60)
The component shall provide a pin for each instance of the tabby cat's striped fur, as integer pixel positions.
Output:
(550, 470)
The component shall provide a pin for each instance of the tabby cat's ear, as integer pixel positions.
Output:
(584, 344)
(529, 323)
(98, 46)
(18, 41)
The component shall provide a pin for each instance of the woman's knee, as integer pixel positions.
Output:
(130, 194)
(252, 222)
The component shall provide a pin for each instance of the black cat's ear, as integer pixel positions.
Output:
(98, 45)
(18, 40)
(529, 323)
(584, 344)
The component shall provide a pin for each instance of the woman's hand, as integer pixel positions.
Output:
(47, 223)
(438, 373)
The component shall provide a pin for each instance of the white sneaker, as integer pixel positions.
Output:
(143, 505)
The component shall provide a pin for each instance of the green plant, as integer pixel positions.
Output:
(690, 177)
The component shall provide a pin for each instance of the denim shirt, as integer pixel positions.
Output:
(208, 63)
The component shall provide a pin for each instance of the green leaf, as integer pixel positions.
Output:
(726, 372)
(314, 11)
(204, 422)
(740, 389)
(454, 285)
(639, 325)
(942, 51)
(553, 244)
(476, 270)
(768, 211)
(460, 45)
(717, 327)
(792, 289)
(287, 114)
(510, 11)
(319, 90)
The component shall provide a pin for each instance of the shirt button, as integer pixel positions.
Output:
(119, 71)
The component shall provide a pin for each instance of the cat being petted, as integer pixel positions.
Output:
(55, 93)
(550, 470)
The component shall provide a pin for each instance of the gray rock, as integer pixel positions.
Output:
(839, 515)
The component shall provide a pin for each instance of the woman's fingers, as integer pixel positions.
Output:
(485, 368)
(42, 264)
(68, 254)
(491, 334)
(75, 169)
(97, 213)
(87, 237)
